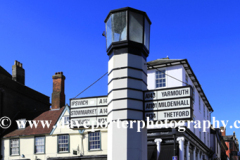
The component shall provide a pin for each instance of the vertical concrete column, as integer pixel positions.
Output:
(126, 83)
(187, 150)
(194, 153)
(127, 35)
(158, 142)
(181, 147)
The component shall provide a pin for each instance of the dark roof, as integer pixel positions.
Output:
(166, 62)
(7, 81)
(22, 114)
(127, 8)
(52, 115)
(230, 137)
(4, 72)
(162, 60)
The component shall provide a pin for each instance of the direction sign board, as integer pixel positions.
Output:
(88, 110)
(159, 104)
(179, 114)
(168, 103)
(168, 93)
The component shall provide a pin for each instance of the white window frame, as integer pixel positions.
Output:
(17, 140)
(165, 78)
(94, 140)
(64, 141)
(39, 145)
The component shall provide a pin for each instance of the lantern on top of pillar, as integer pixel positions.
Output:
(127, 30)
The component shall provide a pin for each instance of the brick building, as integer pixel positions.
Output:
(232, 144)
(218, 145)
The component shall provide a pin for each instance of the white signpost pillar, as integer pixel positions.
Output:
(127, 34)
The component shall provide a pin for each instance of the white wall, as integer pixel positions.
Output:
(179, 72)
(175, 71)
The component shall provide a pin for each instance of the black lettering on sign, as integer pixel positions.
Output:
(151, 105)
(173, 103)
(80, 103)
(150, 95)
(151, 115)
(103, 111)
(102, 120)
(175, 93)
(176, 114)
(103, 101)
(84, 112)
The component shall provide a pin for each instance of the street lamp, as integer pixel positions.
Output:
(127, 30)
(127, 36)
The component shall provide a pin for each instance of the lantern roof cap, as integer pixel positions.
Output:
(127, 9)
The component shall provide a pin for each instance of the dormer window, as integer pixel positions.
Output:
(160, 79)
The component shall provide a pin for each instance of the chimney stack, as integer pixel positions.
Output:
(58, 95)
(223, 130)
(18, 73)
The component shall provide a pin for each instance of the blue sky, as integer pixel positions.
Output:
(53, 36)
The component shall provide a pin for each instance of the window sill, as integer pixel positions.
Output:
(63, 152)
(13, 155)
(93, 150)
(39, 153)
(160, 87)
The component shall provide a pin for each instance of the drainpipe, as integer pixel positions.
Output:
(82, 149)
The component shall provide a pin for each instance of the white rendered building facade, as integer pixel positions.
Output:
(167, 73)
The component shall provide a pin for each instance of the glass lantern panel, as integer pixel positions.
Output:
(109, 31)
(147, 34)
(136, 27)
(119, 26)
